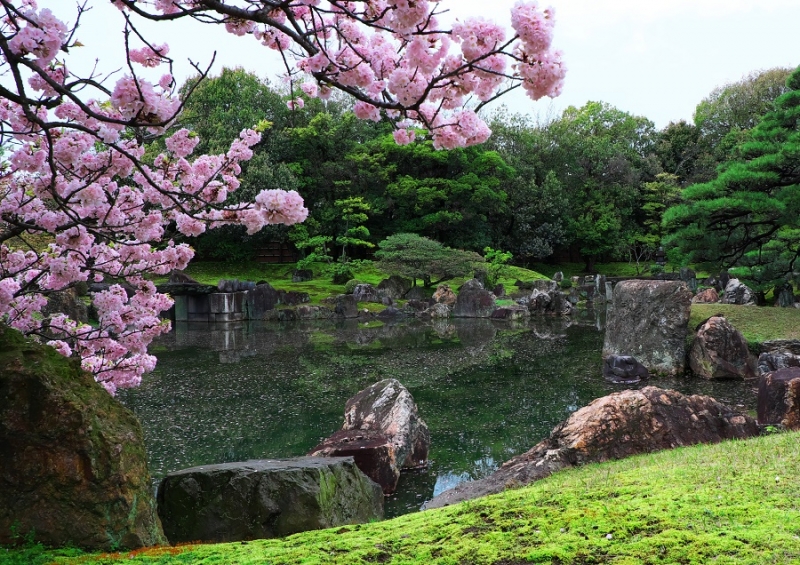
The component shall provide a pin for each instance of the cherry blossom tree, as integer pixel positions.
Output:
(74, 174)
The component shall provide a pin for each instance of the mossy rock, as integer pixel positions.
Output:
(72, 457)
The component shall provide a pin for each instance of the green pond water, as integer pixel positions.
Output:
(487, 390)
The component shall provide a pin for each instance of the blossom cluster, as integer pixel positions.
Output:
(75, 176)
(392, 56)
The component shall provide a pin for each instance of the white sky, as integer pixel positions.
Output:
(655, 58)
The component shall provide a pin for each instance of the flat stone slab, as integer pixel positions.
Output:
(265, 498)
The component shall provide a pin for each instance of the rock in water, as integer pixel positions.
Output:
(73, 468)
(388, 408)
(623, 369)
(372, 452)
(612, 427)
(648, 321)
(719, 351)
(265, 499)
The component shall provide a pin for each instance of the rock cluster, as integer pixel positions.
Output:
(719, 351)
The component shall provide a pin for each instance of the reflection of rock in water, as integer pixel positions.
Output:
(475, 332)
(443, 328)
(234, 356)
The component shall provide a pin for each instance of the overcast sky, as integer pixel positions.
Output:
(655, 58)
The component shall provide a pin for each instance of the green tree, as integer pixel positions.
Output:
(353, 212)
(748, 218)
(730, 110)
(416, 257)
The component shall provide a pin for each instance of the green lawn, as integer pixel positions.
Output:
(734, 502)
(757, 324)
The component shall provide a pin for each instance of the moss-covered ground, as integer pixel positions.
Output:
(757, 324)
(734, 502)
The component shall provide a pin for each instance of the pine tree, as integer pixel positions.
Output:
(747, 220)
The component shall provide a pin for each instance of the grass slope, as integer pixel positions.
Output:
(757, 324)
(734, 502)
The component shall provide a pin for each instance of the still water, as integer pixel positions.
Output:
(487, 390)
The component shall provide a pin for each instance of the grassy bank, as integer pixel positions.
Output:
(757, 324)
(734, 502)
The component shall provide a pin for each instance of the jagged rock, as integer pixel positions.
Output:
(265, 499)
(545, 285)
(394, 287)
(499, 290)
(623, 369)
(387, 407)
(738, 293)
(688, 276)
(373, 453)
(784, 296)
(476, 303)
(346, 306)
(719, 351)
(415, 306)
(513, 312)
(779, 398)
(444, 295)
(706, 296)
(648, 321)
(366, 293)
(471, 284)
(73, 467)
(770, 361)
(313, 313)
(261, 300)
(790, 345)
(618, 425)
(558, 277)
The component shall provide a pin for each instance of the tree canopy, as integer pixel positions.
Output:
(747, 219)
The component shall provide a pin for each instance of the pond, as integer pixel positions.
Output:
(487, 390)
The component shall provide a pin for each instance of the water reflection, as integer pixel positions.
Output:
(488, 390)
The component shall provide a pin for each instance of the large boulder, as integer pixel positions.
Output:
(388, 408)
(511, 312)
(784, 296)
(265, 499)
(73, 467)
(770, 361)
(719, 351)
(394, 287)
(345, 306)
(475, 303)
(779, 398)
(612, 427)
(737, 292)
(648, 320)
(365, 292)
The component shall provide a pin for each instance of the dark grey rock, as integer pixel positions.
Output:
(471, 284)
(785, 296)
(66, 302)
(265, 499)
(416, 293)
(770, 361)
(395, 287)
(623, 369)
(737, 292)
(302, 275)
(366, 293)
(477, 303)
(346, 306)
(648, 320)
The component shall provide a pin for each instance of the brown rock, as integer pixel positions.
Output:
(512, 312)
(719, 351)
(474, 304)
(779, 398)
(444, 295)
(372, 452)
(73, 467)
(615, 426)
(706, 296)
(648, 321)
(387, 407)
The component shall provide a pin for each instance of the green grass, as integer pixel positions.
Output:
(734, 502)
(757, 324)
